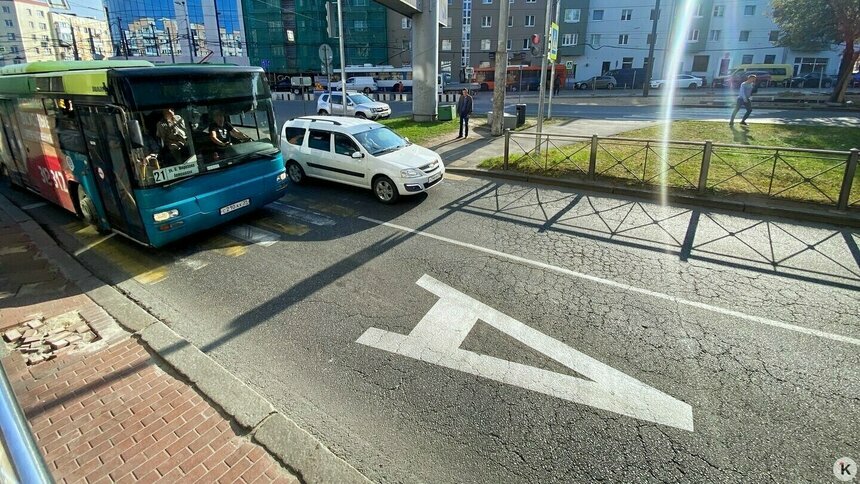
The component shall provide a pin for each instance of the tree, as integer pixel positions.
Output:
(818, 24)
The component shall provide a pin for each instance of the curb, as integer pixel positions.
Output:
(833, 216)
(297, 449)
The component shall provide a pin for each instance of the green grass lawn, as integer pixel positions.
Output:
(778, 172)
(419, 133)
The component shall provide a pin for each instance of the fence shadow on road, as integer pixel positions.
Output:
(819, 254)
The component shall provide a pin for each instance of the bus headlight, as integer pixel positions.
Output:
(165, 216)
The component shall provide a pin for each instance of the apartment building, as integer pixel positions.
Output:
(25, 32)
(81, 38)
(598, 35)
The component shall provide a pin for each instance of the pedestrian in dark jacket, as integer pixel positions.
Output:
(464, 110)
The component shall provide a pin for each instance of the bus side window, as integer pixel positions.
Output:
(68, 131)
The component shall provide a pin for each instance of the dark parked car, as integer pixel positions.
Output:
(813, 79)
(286, 85)
(596, 82)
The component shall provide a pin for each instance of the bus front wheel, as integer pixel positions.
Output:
(86, 207)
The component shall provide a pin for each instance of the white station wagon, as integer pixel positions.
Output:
(358, 152)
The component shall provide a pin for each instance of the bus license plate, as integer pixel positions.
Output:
(235, 206)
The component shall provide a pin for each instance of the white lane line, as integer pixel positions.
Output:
(33, 205)
(308, 216)
(626, 287)
(97, 242)
(254, 235)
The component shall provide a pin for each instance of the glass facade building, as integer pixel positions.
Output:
(166, 31)
(271, 45)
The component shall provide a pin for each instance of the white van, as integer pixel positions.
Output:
(365, 84)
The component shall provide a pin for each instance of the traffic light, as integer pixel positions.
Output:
(330, 23)
(535, 45)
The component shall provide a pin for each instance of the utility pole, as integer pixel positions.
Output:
(501, 76)
(547, 32)
(342, 56)
(170, 43)
(552, 65)
(218, 28)
(122, 37)
(190, 46)
(92, 44)
(650, 70)
(74, 43)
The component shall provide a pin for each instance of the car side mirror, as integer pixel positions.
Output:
(135, 135)
(357, 155)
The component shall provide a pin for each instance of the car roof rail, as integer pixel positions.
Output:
(308, 118)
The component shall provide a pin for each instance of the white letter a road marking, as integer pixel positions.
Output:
(437, 337)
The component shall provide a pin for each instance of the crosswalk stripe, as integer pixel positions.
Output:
(254, 235)
(285, 228)
(308, 216)
(333, 209)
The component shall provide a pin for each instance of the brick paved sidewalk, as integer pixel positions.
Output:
(106, 410)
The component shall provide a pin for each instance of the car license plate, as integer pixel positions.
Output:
(235, 206)
(434, 177)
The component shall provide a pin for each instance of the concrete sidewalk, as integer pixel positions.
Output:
(112, 394)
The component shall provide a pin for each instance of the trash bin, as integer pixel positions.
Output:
(446, 112)
(509, 121)
(521, 114)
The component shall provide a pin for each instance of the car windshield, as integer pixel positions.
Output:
(192, 139)
(360, 99)
(380, 140)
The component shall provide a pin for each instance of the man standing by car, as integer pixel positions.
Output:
(464, 110)
(744, 99)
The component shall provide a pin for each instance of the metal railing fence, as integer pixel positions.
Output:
(821, 176)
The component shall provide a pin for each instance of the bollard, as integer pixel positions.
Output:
(507, 147)
(706, 166)
(592, 158)
(848, 179)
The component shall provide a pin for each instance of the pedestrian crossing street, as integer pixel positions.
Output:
(286, 218)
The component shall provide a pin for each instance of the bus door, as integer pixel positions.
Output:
(12, 145)
(109, 165)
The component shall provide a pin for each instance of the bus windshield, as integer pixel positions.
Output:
(200, 126)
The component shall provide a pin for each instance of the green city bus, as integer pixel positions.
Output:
(96, 138)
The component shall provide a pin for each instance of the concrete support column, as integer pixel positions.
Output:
(425, 62)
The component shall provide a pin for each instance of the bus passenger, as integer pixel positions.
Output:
(173, 134)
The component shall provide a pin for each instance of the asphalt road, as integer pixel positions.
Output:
(555, 336)
(595, 109)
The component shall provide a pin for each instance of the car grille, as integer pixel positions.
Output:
(430, 168)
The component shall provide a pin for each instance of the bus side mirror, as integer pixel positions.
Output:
(135, 134)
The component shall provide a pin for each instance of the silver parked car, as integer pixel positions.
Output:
(596, 82)
(358, 105)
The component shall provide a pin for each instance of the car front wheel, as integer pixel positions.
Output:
(296, 173)
(360, 115)
(692, 85)
(385, 190)
(610, 86)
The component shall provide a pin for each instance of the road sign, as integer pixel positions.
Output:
(326, 54)
(552, 43)
(264, 63)
(568, 65)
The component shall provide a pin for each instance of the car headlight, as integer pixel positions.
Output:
(411, 173)
(281, 177)
(166, 215)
